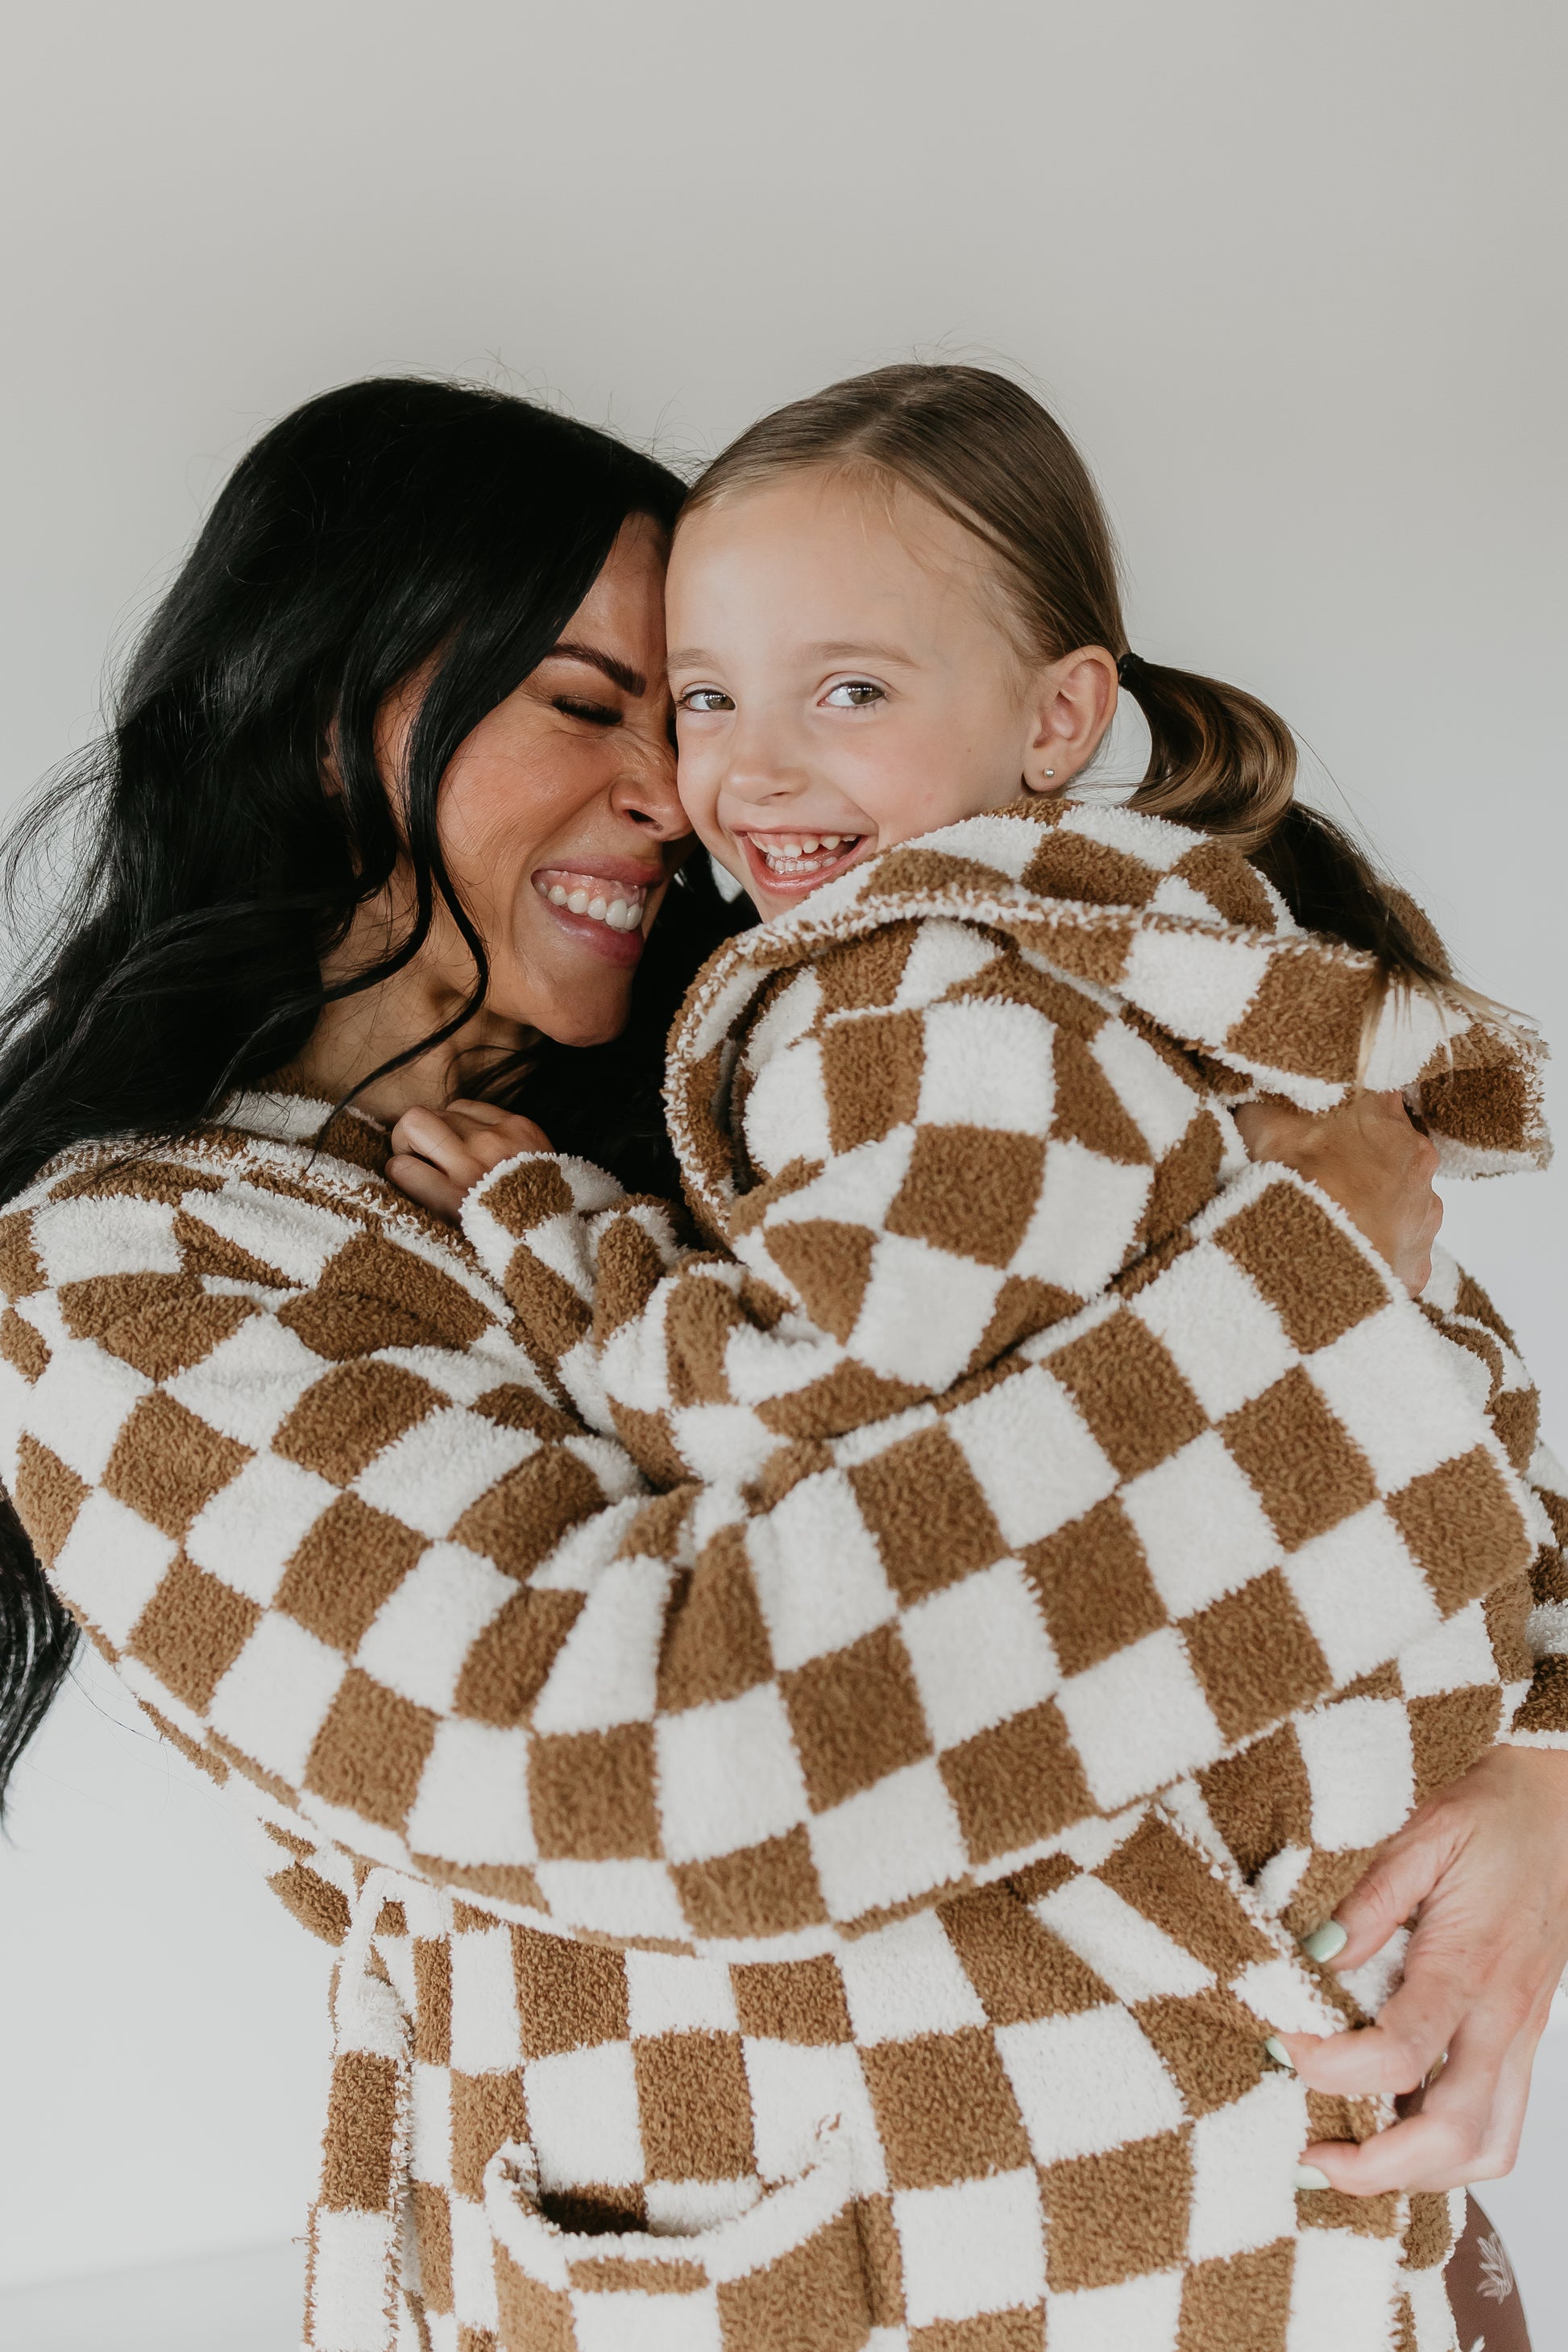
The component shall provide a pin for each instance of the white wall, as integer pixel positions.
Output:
(1293, 275)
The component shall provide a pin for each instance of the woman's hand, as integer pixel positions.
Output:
(1369, 1158)
(1484, 1867)
(439, 1155)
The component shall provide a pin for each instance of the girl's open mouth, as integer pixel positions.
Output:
(787, 865)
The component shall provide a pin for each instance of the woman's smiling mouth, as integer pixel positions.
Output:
(606, 911)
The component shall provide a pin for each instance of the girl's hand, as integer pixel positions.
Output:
(1369, 1158)
(439, 1155)
(1484, 1867)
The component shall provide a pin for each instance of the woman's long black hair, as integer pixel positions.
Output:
(391, 524)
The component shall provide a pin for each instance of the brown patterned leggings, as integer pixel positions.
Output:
(1488, 2312)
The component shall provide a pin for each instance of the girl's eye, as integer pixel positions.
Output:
(705, 697)
(854, 694)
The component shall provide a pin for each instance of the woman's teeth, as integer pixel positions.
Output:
(803, 853)
(617, 904)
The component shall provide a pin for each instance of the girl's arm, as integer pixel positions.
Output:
(916, 1191)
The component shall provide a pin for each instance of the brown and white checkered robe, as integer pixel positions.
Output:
(816, 1869)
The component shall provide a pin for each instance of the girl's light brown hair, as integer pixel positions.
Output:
(983, 451)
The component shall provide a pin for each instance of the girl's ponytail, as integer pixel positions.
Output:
(1219, 758)
(986, 453)
(1223, 759)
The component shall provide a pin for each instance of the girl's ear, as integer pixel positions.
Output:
(1070, 705)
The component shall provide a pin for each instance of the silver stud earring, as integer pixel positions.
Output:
(1050, 772)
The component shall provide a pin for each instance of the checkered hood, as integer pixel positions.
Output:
(790, 1784)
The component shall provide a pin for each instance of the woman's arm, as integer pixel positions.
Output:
(308, 1493)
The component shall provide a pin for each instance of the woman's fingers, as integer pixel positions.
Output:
(433, 1136)
(426, 1184)
(1468, 2127)
(1394, 1887)
(438, 1156)
(1418, 2025)
(500, 1134)
(1484, 1866)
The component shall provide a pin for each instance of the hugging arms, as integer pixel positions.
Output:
(337, 1487)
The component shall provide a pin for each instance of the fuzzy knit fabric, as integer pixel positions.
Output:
(817, 1800)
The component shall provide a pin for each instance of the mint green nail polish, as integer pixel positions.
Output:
(1280, 2055)
(1309, 2177)
(1325, 1943)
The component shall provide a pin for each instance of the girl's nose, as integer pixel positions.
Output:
(760, 770)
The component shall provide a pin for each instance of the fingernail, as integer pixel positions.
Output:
(1309, 2177)
(1280, 2055)
(1325, 1943)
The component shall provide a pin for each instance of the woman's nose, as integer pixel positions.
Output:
(644, 791)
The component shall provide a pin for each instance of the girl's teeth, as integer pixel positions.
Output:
(577, 903)
(598, 908)
(557, 895)
(806, 853)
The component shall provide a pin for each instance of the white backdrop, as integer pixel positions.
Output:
(1293, 276)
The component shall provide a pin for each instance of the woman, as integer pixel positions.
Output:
(290, 1457)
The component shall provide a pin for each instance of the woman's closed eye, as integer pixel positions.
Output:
(704, 697)
(597, 714)
(854, 694)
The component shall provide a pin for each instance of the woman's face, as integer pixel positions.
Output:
(557, 812)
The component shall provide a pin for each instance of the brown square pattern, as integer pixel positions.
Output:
(944, 2108)
(792, 2000)
(970, 1190)
(694, 2106)
(1461, 1523)
(1305, 1469)
(1114, 2216)
(1314, 1277)
(167, 1464)
(1095, 1587)
(813, 2299)
(592, 1794)
(1014, 1784)
(856, 1715)
(192, 1631)
(569, 1996)
(923, 1503)
(715, 1643)
(760, 1890)
(1138, 1406)
(351, 1561)
(1019, 1969)
(1256, 1656)
(371, 1751)
(341, 1423)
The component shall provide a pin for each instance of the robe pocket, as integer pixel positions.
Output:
(788, 2272)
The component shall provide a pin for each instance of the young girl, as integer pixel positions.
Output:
(964, 1110)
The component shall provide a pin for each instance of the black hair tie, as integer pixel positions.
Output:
(1127, 670)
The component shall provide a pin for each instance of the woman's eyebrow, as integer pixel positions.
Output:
(619, 673)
